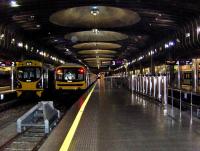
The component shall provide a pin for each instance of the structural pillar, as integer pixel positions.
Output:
(195, 73)
(179, 76)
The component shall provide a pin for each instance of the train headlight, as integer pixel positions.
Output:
(59, 72)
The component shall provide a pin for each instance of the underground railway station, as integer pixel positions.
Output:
(101, 75)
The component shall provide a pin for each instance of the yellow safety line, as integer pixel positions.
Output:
(70, 135)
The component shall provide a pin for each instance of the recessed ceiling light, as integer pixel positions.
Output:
(31, 18)
(166, 46)
(13, 41)
(38, 26)
(187, 35)
(94, 10)
(198, 30)
(2, 36)
(96, 31)
(20, 44)
(26, 46)
(14, 3)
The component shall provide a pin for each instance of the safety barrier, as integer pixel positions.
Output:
(152, 86)
(185, 101)
(41, 115)
(157, 87)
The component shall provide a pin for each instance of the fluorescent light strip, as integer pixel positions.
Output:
(70, 135)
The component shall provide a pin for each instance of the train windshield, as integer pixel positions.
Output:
(70, 74)
(29, 74)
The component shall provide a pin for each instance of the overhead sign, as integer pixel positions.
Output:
(180, 62)
(117, 62)
(184, 62)
(170, 62)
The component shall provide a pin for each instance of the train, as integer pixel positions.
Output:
(33, 77)
(30, 78)
(73, 77)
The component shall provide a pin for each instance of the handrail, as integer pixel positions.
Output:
(186, 91)
(157, 87)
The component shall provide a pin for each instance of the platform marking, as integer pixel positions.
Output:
(70, 135)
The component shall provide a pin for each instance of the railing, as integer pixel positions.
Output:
(152, 86)
(185, 101)
(156, 87)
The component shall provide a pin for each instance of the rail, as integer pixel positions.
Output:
(157, 87)
(185, 100)
(152, 86)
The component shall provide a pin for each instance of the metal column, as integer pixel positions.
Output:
(195, 69)
(12, 77)
(179, 76)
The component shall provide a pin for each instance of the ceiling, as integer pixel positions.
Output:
(147, 23)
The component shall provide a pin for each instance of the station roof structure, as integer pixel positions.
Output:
(96, 32)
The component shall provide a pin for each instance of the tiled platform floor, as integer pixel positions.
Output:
(116, 120)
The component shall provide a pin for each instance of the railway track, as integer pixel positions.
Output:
(32, 138)
(29, 140)
(11, 114)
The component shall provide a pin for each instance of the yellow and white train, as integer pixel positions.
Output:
(73, 77)
(30, 77)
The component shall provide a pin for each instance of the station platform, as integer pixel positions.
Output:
(5, 88)
(117, 120)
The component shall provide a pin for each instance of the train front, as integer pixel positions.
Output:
(70, 78)
(29, 78)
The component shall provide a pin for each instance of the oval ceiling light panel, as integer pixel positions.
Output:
(101, 59)
(94, 36)
(95, 16)
(100, 55)
(97, 51)
(97, 45)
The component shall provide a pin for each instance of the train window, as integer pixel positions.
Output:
(187, 75)
(69, 74)
(80, 76)
(38, 74)
(29, 73)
